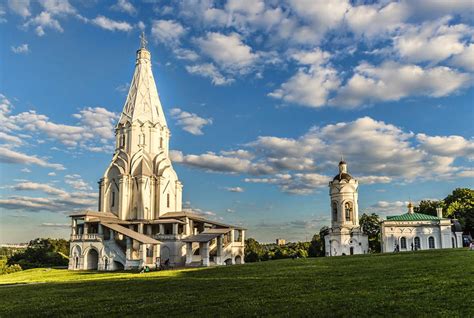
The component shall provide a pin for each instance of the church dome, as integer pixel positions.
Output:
(342, 176)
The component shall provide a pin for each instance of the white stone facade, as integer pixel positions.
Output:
(140, 221)
(416, 231)
(345, 236)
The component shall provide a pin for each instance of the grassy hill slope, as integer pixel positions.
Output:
(425, 283)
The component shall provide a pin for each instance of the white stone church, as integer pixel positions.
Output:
(416, 231)
(140, 220)
(345, 236)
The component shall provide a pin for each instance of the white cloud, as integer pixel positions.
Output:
(20, 7)
(111, 25)
(13, 141)
(185, 54)
(76, 182)
(34, 186)
(229, 51)
(432, 41)
(57, 7)
(125, 6)
(382, 153)
(299, 183)
(43, 21)
(234, 189)
(392, 81)
(56, 225)
(14, 157)
(167, 32)
(465, 59)
(26, 170)
(375, 19)
(321, 16)
(190, 122)
(446, 145)
(309, 87)
(52, 174)
(217, 163)
(209, 71)
(21, 49)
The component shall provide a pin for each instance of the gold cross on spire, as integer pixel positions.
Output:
(143, 41)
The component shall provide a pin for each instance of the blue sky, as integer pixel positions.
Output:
(262, 99)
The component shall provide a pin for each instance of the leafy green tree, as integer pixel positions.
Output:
(42, 253)
(253, 251)
(316, 248)
(428, 207)
(370, 224)
(460, 205)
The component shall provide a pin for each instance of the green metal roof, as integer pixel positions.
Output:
(413, 217)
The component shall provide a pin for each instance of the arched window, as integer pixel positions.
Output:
(161, 142)
(431, 242)
(167, 200)
(417, 243)
(403, 243)
(122, 141)
(113, 199)
(452, 242)
(334, 210)
(348, 211)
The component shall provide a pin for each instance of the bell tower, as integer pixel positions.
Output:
(344, 198)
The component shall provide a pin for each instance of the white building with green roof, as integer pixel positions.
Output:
(417, 231)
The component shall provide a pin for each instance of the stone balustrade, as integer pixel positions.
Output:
(87, 237)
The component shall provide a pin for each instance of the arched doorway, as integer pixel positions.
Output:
(92, 259)
(165, 254)
(351, 250)
(118, 266)
(238, 259)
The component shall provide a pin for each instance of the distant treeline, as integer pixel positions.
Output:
(39, 253)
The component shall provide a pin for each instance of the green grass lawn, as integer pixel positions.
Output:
(425, 283)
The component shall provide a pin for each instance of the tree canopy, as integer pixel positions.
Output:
(42, 253)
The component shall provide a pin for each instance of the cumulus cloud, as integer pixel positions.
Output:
(57, 200)
(125, 6)
(208, 70)
(20, 7)
(432, 41)
(308, 87)
(228, 51)
(383, 153)
(190, 122)
(377, 19)
(43, 21)
(14, 157)
(21, 49)
(111, 25)
(465, 59)
(447, 145)
(76, 182)
(393, 81)
(167, 32)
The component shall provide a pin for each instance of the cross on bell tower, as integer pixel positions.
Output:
(143, 41)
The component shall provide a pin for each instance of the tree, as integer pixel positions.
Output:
(316, 249)
(253, 251)
(370, 225)
(429, 207)
(42, 253)
(460, 205)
